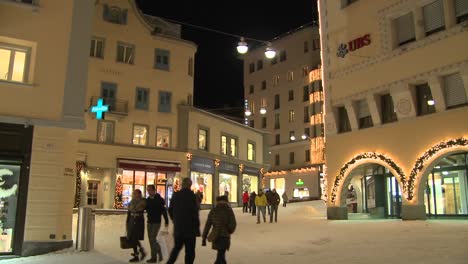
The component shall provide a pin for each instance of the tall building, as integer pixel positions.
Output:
(43, 88)
(396, 83)
(278, 93)
(142, 70)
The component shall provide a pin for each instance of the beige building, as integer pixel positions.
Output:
(143, 71)
(396, 85)
(43, 94)
(278, 93)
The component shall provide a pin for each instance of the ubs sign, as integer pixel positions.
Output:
(345, 48)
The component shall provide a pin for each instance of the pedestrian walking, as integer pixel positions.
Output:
(274, 203)
(136, 225)
(245, 201)
(268, 197)
(261, 203)
(183, 212)
(222, 222)
(285, 199)
(199, 196)
(155, 209)
(253, 208)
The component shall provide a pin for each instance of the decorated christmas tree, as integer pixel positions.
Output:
(79, 167)
(118, 204)
(176, 185)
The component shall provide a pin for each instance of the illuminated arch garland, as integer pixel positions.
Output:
(366, 155)
(421, 161)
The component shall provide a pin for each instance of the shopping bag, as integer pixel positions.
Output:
(166, 243)
(125, 243)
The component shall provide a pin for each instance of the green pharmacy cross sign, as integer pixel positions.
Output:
(299, 182)
(100, 108)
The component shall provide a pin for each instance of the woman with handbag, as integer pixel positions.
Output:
(223, 223)
(136, 225)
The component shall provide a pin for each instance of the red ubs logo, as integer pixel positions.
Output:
(353, 45)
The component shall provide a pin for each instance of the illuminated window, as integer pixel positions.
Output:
(250, 151)
(125, 53)
(163, 137)
(229, 146)
(233, 147)
(13, 63)
(105, 132)
(97, 48)
(290, 75)
(140, 135)
(202, 139)
(291, 116)
(224, 145)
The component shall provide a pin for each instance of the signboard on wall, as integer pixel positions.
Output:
(204, 165)
(353, 45)
(251, 171)
(227, 167)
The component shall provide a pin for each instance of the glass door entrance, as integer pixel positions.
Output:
(393, 197)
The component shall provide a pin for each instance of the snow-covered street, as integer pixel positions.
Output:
(302, 235)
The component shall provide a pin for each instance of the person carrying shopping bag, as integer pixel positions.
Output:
(135, 225)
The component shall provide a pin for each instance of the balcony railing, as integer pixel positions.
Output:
(117, 107)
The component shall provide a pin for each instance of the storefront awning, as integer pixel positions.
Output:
(148, 165)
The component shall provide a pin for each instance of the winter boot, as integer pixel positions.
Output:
(142, 254)
(135, 258)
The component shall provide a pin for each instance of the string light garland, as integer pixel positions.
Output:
(363, 156)
(79, 167)
(421, 162)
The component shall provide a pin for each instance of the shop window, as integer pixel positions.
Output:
(10, 177)
(291, 95)
(251, 89)
(264, 85)
(14, 63)
(228, 186)
(277, 121)
(290, 75)
(434, 20)
(125, 53)
(364, 115)
(92, 193)
(455, 94)
(114, 14)
(283, 55)
(291, 157)
(105, 132)
(277, 139)
(203, 182)
(250, 151)
(97, 48)
(306, 114)
(277, 159)
(461, 10)
(264, 122)
(140, 135)
(259, 65)
(163, 137)
(249, 183)
(404, 27)
(142, 98)
(301, 193)
(190, 66)
(291, 116)
(251, 67)
(387, 110)
(343, 120)
(305, 94)
(425, 102)
(306, 46)
(307, 155)
(165, 99)
(162, 59)
(203, 139)
(277, 101)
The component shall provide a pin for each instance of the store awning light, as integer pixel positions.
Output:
(242, 47)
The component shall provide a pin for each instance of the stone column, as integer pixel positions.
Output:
(437, 91)
(464, 76)
(374, 109)
(352, 115)
(330, 125)
(449, 14)
(419, 23)
(337, 213)
(413, 212)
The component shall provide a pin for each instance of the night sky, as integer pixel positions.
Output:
(218, 67)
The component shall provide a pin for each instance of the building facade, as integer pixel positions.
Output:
(143, 71)
(277, 92)
(396, 86)
(43, 93)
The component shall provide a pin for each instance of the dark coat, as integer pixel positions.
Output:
(223, 221)
(274, 198)
(136, 220)
(183, 211)
(252, 199)
(155, 207)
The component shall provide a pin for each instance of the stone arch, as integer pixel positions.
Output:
(342, 178)
(426, 162)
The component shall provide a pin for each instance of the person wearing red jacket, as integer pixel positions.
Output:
(245, 201)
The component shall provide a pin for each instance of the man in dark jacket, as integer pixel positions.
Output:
(269, 197)
(155, 207)
(253, 208)
(184, 214)
(274, 202)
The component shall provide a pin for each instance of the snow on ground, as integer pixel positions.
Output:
(302, 235)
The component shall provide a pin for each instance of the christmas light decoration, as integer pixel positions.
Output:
(189, 156)
(217, 162)
(118, 203)
(364, 156)
(241, 167)
(421, 162)
(79, 167)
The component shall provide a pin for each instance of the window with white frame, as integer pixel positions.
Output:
(434, 19)
(233, 147)
(162, 60)
(105, 132)
(125, 53)
(165, 99)
(250, 151)
(461, 10)
(14, 63)
(140, 135)
(97, 48)
(203, 139)
(224, 145)
(290, 75)
(455, 94)
(404, 28)
(163, 137)
(229, 146)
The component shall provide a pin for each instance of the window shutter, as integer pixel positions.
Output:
(106, 12)
(454, 91)
(434, 16)
(123, 17)
(405, 28)
(461, 7)
(363, 109)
